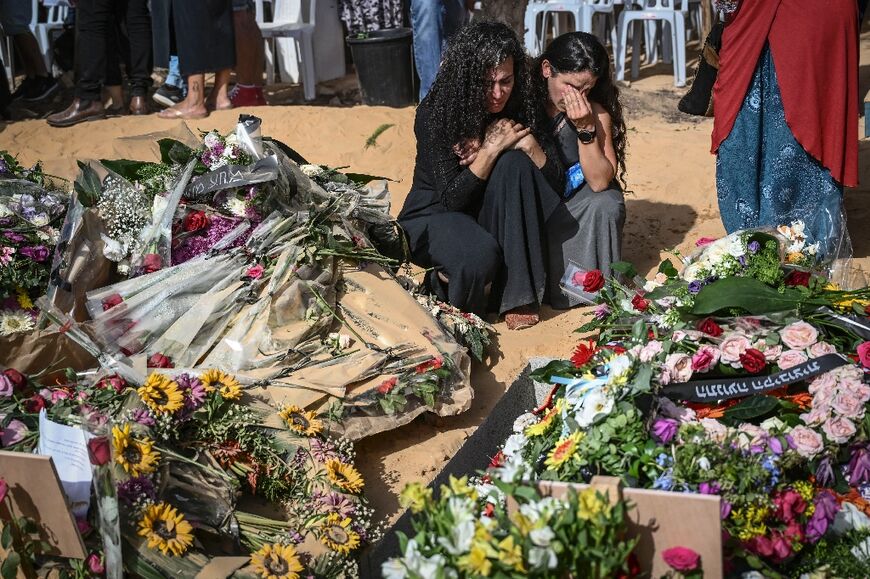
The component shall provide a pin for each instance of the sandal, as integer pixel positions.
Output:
(521, 318)
(173, 113)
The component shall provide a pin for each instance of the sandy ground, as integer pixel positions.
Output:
(673, 203)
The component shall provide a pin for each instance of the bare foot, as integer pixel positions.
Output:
(183, 111)
(220, 104)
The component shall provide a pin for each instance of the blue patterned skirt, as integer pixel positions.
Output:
(764, 176)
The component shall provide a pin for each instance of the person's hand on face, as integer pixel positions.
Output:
(467, 151)
(577, 109)
(503, 134)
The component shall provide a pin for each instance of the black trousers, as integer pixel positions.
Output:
(96, 24)
(501, 242)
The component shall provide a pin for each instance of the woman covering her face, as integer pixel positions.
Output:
(580, 103)
(483, 187)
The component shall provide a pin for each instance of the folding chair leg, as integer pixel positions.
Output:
(619, 50)
(309, 77)
(635, 56)
(270, 61)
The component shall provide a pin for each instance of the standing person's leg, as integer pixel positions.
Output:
(250, 57)
(138, 19)
(113, 80)
(427, 24)
(93, 22)
(219, 97)
(193, 105)
(15, 16)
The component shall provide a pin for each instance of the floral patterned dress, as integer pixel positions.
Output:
(366, 15)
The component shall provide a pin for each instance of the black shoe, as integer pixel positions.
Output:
(168, 95)
(40, 88)
(23, 89)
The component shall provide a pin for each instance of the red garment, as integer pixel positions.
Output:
(814, 44)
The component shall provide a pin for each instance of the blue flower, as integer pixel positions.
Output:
(664, 460)
(695, 287)
(665, 482)
(754, 246)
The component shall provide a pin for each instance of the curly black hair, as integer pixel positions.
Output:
(457, 99)
(578, 52)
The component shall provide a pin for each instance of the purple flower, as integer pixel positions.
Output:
(695, 287)
(709, 488)
(754, 246)
(193, 390)
(3, 166)
(337, 503)
(859, 465)
(13, 236)
(664, 429)
(143, 417)
(724, 509)
(602, 311)
(322, 451)
(218, 227)
(825, 472)
(823, 516)
(35, 252)
(742, 260)
(132, 490)
(295, 537)
(775, 445)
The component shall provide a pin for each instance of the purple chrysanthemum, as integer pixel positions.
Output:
(322, 451)
(143, 417)
(132, 490)
(193, 391)
(337, 503)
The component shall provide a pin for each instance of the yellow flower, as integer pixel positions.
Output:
(476, 561)
(301, 421)
(336, 534)
(136, 456)
(415, 497)
(543, 427)
(750, 521)
(344, 476)
(523, 523)
(794, 257)
(214, 379)
(590, 505)
(161, 394)
(564, 450)
(277, 561)
(165, 529)
(511, 554)
(24, 300)
(459, 487)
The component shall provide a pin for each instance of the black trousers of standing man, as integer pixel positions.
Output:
(96, 22)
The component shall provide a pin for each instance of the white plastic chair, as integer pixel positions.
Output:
(43, 30)
(302, 32)
(603, 9)
(653, 10)
(535, 35)
(8, 56)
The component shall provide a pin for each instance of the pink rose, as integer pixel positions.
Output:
(799, 335)
(680, 367)
(714, 429)
(705, 358)
(751, 435)
(820, 349)
(665, 377)
(255, 272)
(864, 354)
(790, 359)
(671, 410)
(151, 262)
(732, 347)
(95, 564)
(826, 381)
(816, 416)
(13, 433)
(856, 388)
(839, 429)
(808, 443)
(772, 353)
(650, 351)
(681, 559)
(704, 241)
(7, 388)
(4, 489)
(848, 405)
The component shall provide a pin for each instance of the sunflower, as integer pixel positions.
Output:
(160, 394)
(564, 450)
(336, 534)
(229, 386)
(277, 562)
(165, 529)
(546, 423)
(136, 456)
(301, 421)
(344, 476)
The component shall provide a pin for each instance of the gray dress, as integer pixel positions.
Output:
(586, 227)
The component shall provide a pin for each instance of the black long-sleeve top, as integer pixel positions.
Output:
(441, 184)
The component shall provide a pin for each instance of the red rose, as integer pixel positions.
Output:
(158, 360)
(639, 303)
(497, 460)
(387, 385)
(681, 558)
(98, 450)
(112, 301)
(114, 382)
(152, 262)
(615, 348)
(796, 278)
(432, 364)
(255, 272)
(709, 327)
(593, 281)
(753, 361)
(19, 381)
(583, 353)
(195, 221)
(34, 404)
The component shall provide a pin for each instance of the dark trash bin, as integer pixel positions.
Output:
(384, 62)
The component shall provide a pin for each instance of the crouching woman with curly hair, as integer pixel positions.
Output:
(483, 187)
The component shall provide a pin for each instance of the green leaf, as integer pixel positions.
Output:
(747, 294)
(752, 407)
(554, 368)
(126, 168)
(87, 185)
(624, 267)
(174, 152)
(6, 536)
(667, 268)
(9, 569)
(363, 178)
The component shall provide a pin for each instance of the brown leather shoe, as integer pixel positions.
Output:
(78, 112)
(139, 106)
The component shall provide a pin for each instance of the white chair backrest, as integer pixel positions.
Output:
(601, 3)
(278, 6)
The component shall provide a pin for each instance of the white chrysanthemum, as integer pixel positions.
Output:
(40, 220)
(212, 140)
(4, 211)
(236, 206)
(14, 322)
(736, 247)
